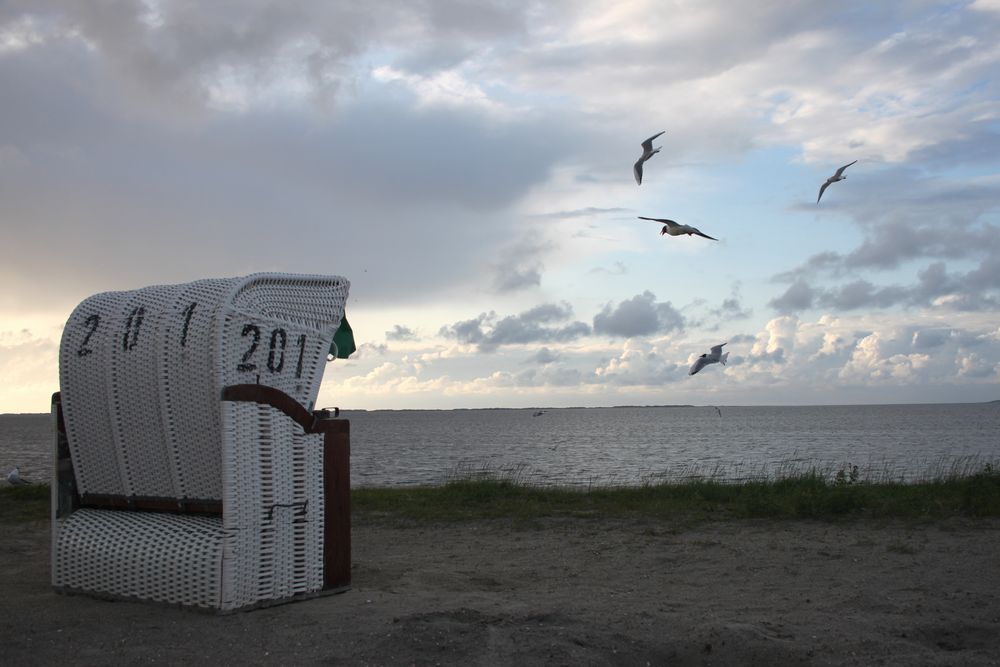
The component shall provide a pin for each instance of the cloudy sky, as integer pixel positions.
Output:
(468, 166)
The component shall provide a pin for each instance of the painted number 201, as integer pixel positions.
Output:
(276, 350)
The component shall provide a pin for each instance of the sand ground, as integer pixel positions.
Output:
(565, 592)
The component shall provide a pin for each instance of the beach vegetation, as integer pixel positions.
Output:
(492, 493)
(808, 494)
(24, 503)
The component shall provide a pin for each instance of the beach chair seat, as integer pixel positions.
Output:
(192, 468)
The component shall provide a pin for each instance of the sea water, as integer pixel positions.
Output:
(630, 445)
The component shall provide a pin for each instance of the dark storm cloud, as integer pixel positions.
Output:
(975, 290)
(541, 324)
(861, 294)
(543, 356)
(546, 313)
(986, 275)
(712, 319)
(551, 376)
(926, 339)
(368, 350)
(522, 329)
(146, 201)
(934, 280)
(895, 242)
(520, 264)
(400, 333)
(639, 316)
(821, 263)
(798, 296)
(732, 307)
(468, 331)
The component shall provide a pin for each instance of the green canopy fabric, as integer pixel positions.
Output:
(343, 341)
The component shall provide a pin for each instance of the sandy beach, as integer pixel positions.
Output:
(565, 592)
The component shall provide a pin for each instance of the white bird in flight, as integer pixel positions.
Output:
(839, 176)
(714, 357)
(647, 152)
(676, 229)
(15, 479)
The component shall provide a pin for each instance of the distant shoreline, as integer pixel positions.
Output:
(607, 407)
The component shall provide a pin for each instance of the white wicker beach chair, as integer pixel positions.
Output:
(190, 467)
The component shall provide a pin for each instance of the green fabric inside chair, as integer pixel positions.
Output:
(343, 341)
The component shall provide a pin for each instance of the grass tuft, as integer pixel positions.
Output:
(19, 504)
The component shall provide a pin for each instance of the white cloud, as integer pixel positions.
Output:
(986, 5)
(20, 34)
(779, 334)
(640, 363)
(448, 88)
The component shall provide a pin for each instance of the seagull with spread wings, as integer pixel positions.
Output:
(714, 357)
(839, 176)
(676, 229)
(647, 152)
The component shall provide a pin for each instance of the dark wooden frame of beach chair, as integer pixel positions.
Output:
(336, 479)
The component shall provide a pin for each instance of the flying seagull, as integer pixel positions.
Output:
(15, 479)
(647, 152)
(839, 176)
(676, 229)
(713, 357)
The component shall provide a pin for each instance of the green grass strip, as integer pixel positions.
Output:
(803, 496)
(19, 504)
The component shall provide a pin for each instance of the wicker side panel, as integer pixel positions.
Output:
(273, 495)
(307, 468)
(147, 556)
(188, 390)
(135, 380)
(84, 360)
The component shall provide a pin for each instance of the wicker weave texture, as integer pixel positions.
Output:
(142, 555)
(274, 507)
(141, 376)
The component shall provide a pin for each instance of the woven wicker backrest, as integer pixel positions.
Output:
(141, 374)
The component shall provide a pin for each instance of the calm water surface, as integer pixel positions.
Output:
(583, 446)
